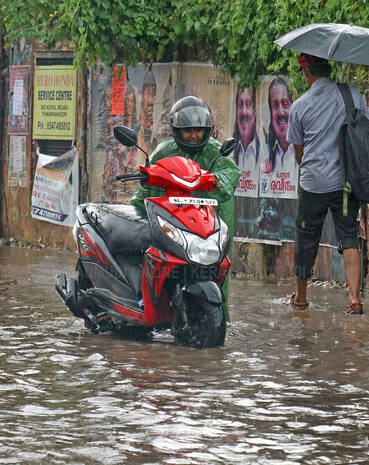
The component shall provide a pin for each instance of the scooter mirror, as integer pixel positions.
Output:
(227, 147)
(126, 136)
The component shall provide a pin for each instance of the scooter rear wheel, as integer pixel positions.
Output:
(206, 327)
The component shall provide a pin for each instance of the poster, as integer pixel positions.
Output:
(278, 168)
(131, 104)
(270, 214)
(216, 89)
(17, 161)
(54, 102)
(260, 216)
(148, 95)
(247, 143)
(19, 84)
(118, 90)
(265, 219)
(55, 188)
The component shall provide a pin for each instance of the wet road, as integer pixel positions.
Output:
(289, 387)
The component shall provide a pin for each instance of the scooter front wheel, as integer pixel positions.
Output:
(205, 326)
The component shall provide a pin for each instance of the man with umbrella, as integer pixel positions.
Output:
(314, 124)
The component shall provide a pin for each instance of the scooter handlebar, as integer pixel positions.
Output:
(143, 177)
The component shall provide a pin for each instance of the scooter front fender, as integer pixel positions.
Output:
(209, 291)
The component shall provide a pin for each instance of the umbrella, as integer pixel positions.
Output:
(338, 42)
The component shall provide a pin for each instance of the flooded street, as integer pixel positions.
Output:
(288, 387)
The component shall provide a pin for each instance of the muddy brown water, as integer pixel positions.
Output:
(288, 387)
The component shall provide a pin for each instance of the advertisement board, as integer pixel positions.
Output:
(54, 102)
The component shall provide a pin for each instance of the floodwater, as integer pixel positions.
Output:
(289, 387)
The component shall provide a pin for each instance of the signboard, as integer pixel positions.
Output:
(18, 118)
(55, 188)
(54, 102)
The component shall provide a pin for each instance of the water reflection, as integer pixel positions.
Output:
(288, 387)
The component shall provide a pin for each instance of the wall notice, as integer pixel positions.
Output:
(17, 161)
(54, 102)
(18, 118)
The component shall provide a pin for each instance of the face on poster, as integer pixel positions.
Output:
(278, 167)
(246, 152)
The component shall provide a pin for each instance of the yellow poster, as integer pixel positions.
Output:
(54, 102)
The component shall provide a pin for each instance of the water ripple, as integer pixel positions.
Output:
(287, 388)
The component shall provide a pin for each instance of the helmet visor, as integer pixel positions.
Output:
(192, 117)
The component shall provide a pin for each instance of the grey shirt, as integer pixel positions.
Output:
(314, 122)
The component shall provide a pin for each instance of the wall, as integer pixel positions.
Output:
(249, 258)
(16, 217)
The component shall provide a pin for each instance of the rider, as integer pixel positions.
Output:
(191, 123)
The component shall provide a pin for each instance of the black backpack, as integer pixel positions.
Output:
(354, 149)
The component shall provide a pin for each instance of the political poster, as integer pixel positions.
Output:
(139, 98)
(55, 188)
(278, 168)
(17, 161)
(19, 112)
(54, 102)
(247, 143)
(269, 217)
(143, 103)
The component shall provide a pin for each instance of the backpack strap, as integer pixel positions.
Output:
(349, 104)
(347, 96)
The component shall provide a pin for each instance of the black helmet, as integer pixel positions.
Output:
(191, 112)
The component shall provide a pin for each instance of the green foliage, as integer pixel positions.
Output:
(237, 35)
(291, 14)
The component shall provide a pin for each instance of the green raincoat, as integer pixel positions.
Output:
(226, 173)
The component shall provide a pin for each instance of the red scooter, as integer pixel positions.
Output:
(163, 268)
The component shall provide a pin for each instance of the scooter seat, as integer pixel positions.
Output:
(122, 228)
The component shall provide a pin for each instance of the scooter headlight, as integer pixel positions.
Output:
(203, 251)
(171, 231)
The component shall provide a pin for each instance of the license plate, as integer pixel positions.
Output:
(193, 201)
